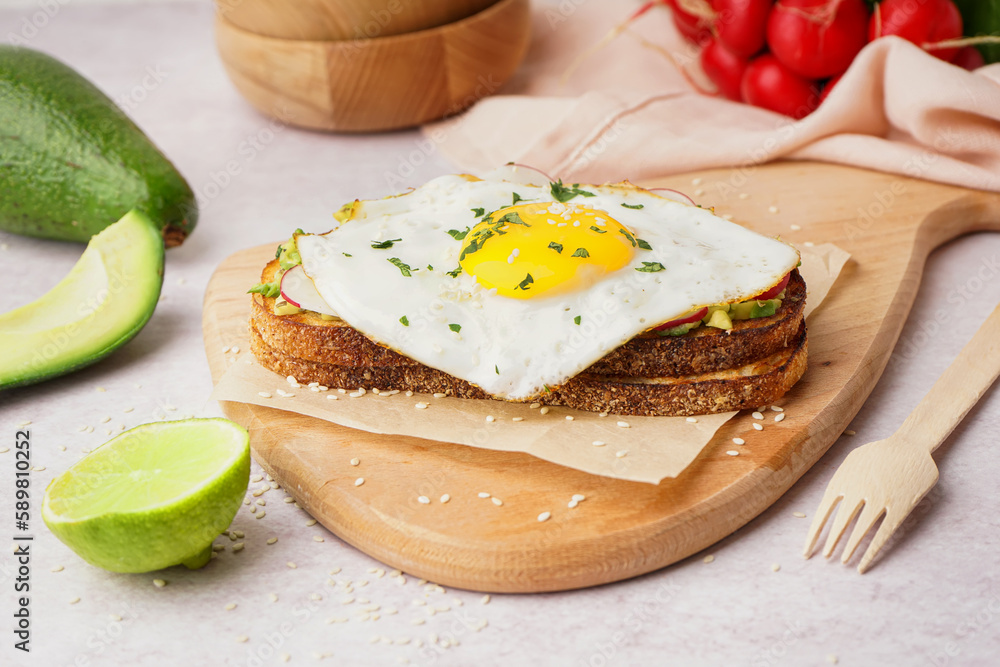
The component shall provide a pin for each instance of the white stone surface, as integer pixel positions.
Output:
(934, 599)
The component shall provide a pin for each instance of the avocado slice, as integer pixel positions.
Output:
(72, 163)
(103, 302)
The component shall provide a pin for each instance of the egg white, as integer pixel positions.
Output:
(517, 349)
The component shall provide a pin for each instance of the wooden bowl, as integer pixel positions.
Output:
(344, 19)
(377, 84)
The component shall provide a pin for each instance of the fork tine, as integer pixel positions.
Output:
(889, 525)
(845, 515)
(869, 515)
(823, 512)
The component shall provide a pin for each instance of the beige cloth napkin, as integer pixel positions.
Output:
(627, 113)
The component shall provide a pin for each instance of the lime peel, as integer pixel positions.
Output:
(152, 497)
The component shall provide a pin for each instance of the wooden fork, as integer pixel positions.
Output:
(889, 477)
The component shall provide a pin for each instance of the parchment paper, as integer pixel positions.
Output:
(641, 449)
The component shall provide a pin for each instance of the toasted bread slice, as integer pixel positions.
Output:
(756, 383)
(308, 337)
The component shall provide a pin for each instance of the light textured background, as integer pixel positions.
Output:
(936, 592)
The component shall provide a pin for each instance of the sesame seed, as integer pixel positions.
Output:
(775, 567)
(445, 498)
(544, 516)
(421, 406)
(795, 228)
(758, 426)
(104, 420)
(261, 502)
(757, 415)
(57, 568)
(809, 244)
(602, 414)
(534, 406)
(439, 395)
(799, 515)
(739, 441)
(733, 452)
(571, 504)
(273, 597)
(159, 583)
(483, 494)
(708, 559)
(569, 418)
(359, 481)
(318, 538)
(850, 432)
(284, 657)
(692, 420)
(699, 192)
(409, 393)
(623, 424)
(423, 500)
(621, 453)
(38, 468)
(779, 417)
(832, 658)
(128, 409)
(517, 419)
(696, 181)
(291, 379)
(417, 621)
(544, 410)
(355, 394)
(579, 496)
(332, 397)
(74, 600)
(337, 619)
(101, 389)
(261, 514)
(490, 419)
(272, 540)
(497, 501)
(772, 209)
(291, 565)
(355, 461)
(598, 443)
(239, 546)
(230, 606)
(257, 478)
(485, 599)
(82, 428)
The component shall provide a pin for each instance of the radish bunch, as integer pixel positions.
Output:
(786, 55)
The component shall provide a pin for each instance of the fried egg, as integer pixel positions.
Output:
(517, 285)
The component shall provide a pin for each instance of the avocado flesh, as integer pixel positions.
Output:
(72, 163)
(102, 303)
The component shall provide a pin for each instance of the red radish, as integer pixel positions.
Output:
(687, 319)
(924, 23)
(695, 27)
(828, 88)
(724, 68)
(298, 289)
(741, 25)
(774, 291)
(769, 84)
(969, 58)
(675, 195)
(817, 39)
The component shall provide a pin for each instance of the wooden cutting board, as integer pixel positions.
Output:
(888, 223)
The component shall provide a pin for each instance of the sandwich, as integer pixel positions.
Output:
(607, 298)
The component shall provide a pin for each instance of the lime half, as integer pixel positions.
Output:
(152, 497)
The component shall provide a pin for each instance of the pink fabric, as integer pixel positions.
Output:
(627, 113)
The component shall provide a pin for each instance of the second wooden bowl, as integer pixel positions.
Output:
(382, 83)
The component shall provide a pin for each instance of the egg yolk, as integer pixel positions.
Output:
(528, 250)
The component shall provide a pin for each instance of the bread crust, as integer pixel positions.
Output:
(307, 336)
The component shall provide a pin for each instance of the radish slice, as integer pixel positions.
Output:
(520, 174)
(298, 289)
(676, 195)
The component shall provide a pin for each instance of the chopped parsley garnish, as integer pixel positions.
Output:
(271, 290)
(636, 206)
(455, 327)
(651, 267)
(643, 244)
(492, 228)
(580, 252)
(497, 369)
(478, 212)
(564, 193)
(577, 319)
(430, 268)
(629, 236)
(403, 267)
(382, 245)
(512, 218)
(454, 272)
(598, 230)
(457, 235)
(347, 254)
(556, 246)
(523, 285)
(405, 322)
(516, 199)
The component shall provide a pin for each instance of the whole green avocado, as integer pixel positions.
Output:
(72, 163)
